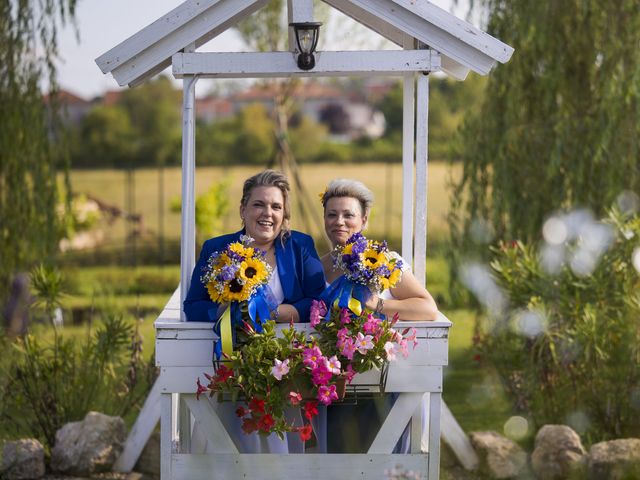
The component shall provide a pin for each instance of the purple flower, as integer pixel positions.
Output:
(327, 394)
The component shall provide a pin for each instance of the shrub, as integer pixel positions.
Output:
(45, 385)
(569, 349)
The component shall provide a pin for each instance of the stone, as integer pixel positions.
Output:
(88, 446)
(22, 459)
(149, 461)
(558, 453)
(499, 456)
(615, 459)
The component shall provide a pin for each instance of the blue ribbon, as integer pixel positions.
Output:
(342, 290)
(259, 307)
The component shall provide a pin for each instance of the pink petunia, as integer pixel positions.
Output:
(345, 316)
(349, 373)
(333, 365)
(311, 356)
(391, 350)
(327, 394)
(372, 325)
(318, 310)
(364, 343)
(348, 348)
(411, 335)
(295, 398)
(320, 375)
(404, 347)
(280, 368)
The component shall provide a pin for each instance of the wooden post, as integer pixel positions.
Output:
(188, 226)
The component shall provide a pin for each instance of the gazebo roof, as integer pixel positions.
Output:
(194, 22)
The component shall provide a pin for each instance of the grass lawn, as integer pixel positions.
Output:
(385, 180)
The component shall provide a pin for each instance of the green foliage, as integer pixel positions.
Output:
(211, 207)
(571, 349)
(142, 128)
(560, 122)
(105, 137)
(45, 385)
(30, 157)
(449, 103)
(49, 286)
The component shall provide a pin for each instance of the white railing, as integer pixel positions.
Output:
(184, 351)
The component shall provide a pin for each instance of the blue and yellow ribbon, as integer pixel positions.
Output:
(258, 309)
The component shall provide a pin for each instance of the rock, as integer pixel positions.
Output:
(149, 461)
(22, 459)
(89, 446)
(615, 459)
(499, 456)
(558, 452)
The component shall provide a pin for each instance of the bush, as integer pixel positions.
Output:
(45, 385)
(569, 351)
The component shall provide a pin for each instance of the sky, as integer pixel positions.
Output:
(104, 24)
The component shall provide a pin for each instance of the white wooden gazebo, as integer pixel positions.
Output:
(432, 40)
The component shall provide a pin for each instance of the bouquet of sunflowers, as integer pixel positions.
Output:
(271, 373)
(368, 266)
(239, 275)
(235, 273)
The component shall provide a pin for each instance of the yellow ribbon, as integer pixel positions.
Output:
(225, 332)
(355, 306)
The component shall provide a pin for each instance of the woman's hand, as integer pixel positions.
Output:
(287, 313)
(372, 302)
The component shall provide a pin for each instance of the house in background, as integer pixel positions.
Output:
(348, 113)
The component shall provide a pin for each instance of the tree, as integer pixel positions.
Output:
(30, 147)
(105, 138)
(155, 113)
(560, 122)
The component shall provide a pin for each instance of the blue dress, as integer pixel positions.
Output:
(302, 280)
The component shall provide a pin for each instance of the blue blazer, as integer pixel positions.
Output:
(299, 269)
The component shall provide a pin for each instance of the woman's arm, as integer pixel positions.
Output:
(198, 306)
(410, 301)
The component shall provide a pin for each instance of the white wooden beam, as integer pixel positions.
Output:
(408, 143)
(210, 424)
(463, 31)
(301, 10)
(283, 64)
(392, 33)
(435, 399)
(150, 50)
(302, 467)
(140, 432)
(422, 138)
(188, 217)
(395, 423)
(446, 42)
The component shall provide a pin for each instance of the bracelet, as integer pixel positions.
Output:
(276, 313)
(380, 305)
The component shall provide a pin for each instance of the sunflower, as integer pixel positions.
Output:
(215, 295)
(391, 280)
(373, 259)
(253, 271)
(222, 260)
(246, 252)
(235, 291)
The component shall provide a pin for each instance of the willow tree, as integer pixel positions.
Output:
(560, 123)
(29, 156)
